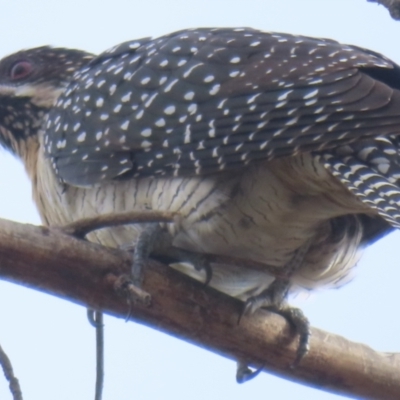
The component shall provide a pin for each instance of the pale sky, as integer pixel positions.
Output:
(50, 341)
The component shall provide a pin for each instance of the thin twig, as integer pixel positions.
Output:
(9, 374)
(96, 320)
(98, 317)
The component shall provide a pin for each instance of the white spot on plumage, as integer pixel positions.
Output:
(61, 144)
(125, 125)
(99, 102)
(190, 70)
(146, 132)
(170, 85)
(187, 134)
(192, 108)
(211, 131)
(126, 97)
(134, 45)
(332, 127)
(81, 137)
(160, 122)
(310, 94)
(253, 98)
(292, 121)
(145, 80)
(284, 95)
(169, 110)
(200, 146)
(117, 108)
(189, 95)
(311, 102)
(322, 118)
(145, 144)
(215, 89)
(150, 100)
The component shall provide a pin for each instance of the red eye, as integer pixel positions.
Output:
(20, 70)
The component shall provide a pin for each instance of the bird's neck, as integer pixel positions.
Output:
(28, 150)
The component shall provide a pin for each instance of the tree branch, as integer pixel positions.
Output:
(392, 5)
(85, 273)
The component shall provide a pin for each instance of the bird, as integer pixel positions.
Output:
(275, 148)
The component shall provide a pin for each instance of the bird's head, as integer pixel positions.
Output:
(30, 83)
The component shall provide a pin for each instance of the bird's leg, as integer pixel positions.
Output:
(274, 299)
(144, 246)
(129, 286)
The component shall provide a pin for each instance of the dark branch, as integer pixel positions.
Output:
(86, 273)
(392, 5)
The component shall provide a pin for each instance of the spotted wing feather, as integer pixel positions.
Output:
(206, 100)
(370, 169)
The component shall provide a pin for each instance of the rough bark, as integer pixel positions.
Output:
(85, 273)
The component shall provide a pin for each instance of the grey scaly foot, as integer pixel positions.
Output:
(129, 286)
(274, 299)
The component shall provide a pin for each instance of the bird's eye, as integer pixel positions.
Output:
(20, 70)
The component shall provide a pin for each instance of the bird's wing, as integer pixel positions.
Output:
(207, 100)
(370, 169)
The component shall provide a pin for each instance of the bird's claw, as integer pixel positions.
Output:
(125, 287)
(272, 299)
(244, 373)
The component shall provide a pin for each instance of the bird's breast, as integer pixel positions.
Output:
(264, 213)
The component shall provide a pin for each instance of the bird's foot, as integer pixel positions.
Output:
(125, 287)
(144, 246)
(273, 299)
(130, 286)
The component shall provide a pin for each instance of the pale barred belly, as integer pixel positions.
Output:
(264, 214)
